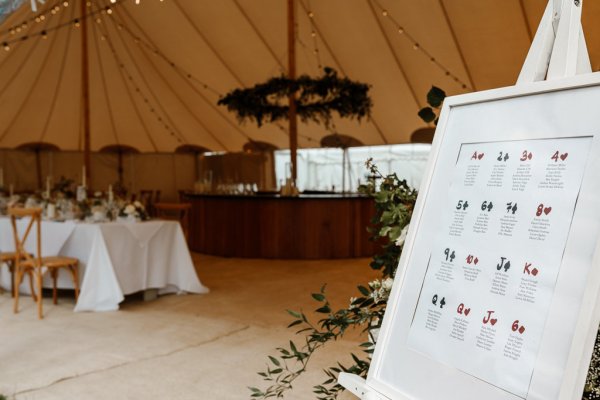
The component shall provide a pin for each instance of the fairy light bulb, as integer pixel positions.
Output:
(384, 13)
(6, 46)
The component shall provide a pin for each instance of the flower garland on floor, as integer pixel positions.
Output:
(316, 99)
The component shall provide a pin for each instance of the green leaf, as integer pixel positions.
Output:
(427, 114)
(296, 322)
(323, 310)
(294, 314)
(435, 97)
(318, 297)
(274, 361)
(364, 291)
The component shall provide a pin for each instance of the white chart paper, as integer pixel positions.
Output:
(497, 256)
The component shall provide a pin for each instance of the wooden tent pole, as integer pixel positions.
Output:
(85, 92)
(292, 75)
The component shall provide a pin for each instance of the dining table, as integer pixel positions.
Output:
(115, 258)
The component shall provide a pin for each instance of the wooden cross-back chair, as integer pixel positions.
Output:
(37, 265)
(175, 212)
(149, 198)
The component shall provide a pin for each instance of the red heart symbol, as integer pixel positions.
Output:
(493, 321)
(547, 210)
(564, 156)
(480, 156)
(521, 330)
(476, 260)
(530, 156)
(467, 311)
(534, 272)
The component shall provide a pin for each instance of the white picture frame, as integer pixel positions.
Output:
(554, 109)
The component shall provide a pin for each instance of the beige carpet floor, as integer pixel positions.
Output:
(176, 347)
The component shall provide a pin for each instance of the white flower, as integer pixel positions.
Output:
(97, 194)
(352, 306)
(137, 204)
(129, 210)
(387, 284)
(402, 238)
(375, 284)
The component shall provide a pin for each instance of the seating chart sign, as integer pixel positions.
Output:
(498, 252)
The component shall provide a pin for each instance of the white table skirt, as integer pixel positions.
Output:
(115, 259)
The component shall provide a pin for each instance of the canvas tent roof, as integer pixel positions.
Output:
(158, 68)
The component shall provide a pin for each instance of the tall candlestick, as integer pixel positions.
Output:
(11, 187)
(1, 177)
(110, 194)
(47, 187)
(83, 176)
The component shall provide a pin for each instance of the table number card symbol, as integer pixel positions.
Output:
(517, 328)
(541, 209)
(477, 156)
(564, 156)
(503, 157)
(528, 271)
(434, 301)
(504, 263)
(488, 318)
(450, 256)
(485, 206)
(462, 310)
(472, 259)
(462, 205)
(526, 156)
(511, 207)
(557, 155)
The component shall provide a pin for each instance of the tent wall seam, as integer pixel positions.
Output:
(260, 36)
(395, 56)
(208, 102)
(183, 103)
(456, 44)
(105, 88)
(149, 88)
(341, 68)
(33, 85)
(24, 61)
(58, 82)
(208, 43)
(128, 91)
(526, 20)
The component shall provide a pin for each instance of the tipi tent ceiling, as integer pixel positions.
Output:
(157, 69)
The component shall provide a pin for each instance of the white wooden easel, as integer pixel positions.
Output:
(558, 51)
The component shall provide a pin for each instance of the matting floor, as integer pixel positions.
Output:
(176, 347)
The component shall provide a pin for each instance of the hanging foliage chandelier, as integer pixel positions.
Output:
(316, 99)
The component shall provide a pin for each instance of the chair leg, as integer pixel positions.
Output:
(54, 275)
(38, 276)
(75, 272)
(33, 294)
(11, 269)
(17, 282)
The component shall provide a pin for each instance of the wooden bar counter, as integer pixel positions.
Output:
(303, 227)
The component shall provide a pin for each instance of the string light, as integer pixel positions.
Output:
(313, 34)
(417, 47)
(171, 130)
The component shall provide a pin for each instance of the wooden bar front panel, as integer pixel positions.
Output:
(280, 227)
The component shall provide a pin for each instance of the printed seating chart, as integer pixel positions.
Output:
(497, 294)
(497, 256)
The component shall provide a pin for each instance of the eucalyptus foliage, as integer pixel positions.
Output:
(316, 99)
(435, 99)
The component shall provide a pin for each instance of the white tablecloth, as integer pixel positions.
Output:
(116, 259)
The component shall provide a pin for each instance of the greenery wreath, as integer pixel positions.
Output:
(316, 99)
